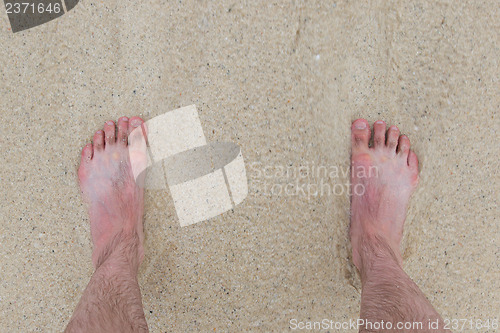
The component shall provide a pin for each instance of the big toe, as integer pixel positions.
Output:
(137, 133)
(137, 147)
(360, 134)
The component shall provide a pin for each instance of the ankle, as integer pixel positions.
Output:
(119, 265)
(123, 252)
(375, 252)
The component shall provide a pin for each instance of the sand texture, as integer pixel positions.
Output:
(283, 81)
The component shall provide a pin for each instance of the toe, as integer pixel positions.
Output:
(134, 123)
(379, 134)
(122, 136)
(137, 148)
(392, 138)
(109, 133)
(403, 146)
(360, 133)
(413, 161)
(136, 131)
(87, 153)
(99, 140)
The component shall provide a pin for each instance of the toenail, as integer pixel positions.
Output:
(110, 123)
(379, 122)
(360, 125)
(135, 123)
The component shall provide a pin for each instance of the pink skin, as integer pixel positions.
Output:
(113, 195)
(384, 176)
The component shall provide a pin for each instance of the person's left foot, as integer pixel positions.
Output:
(109, 187)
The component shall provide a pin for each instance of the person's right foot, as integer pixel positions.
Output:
(383, 177)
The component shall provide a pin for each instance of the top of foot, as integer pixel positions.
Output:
(383, 177)
(108, 184)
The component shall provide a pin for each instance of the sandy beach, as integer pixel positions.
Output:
(283, 81)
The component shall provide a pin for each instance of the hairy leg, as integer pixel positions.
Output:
(389, 294)
(112, 300)
(383, 178)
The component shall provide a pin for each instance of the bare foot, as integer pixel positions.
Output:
(113, 194)
(383, 178)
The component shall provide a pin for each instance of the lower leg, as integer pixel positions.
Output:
(389, 295)
(112, 300)
(383, 178)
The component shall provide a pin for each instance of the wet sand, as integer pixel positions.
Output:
(283, 81)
